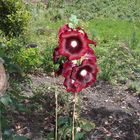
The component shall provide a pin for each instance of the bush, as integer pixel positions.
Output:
(8, 49)
(47, 62)
(13, 17)
(28, 59)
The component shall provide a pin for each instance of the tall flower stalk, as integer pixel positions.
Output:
(56, 108)
(56, 116)
(79, 68)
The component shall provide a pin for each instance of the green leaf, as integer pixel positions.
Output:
(2, 53)
(14, 68)
(62, 121)
(6, 100)
(80, 135)
(21, 108)
(50, 136)
(87, 125)
(71, 25)
(7, 133)
(73, 20)
(20, 138)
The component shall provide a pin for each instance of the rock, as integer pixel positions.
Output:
(3, 79)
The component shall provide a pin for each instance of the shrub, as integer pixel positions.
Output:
(47, 62)
(13, 17)
(8, 49)
(28, 59)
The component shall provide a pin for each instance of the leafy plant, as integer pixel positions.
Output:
(47, 60)
(7, 52)
(13, 17)
(82, 127)
(28, 59)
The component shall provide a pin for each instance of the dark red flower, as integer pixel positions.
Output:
(85, 74)
(56, 55)
(79, 29)
(67, 68)
(73, 45)
(90, 55)
(63, 29)
(85, 34)
(70, 86)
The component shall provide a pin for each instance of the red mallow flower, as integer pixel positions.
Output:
(67, 68)
(56, 55)
(90, 55)
(73, 45)
(64, 29)
(85, 34)
(69, 83)
(85, 74)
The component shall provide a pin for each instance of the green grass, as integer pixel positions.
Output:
(118, 41)
(109, 28)
(118, 49)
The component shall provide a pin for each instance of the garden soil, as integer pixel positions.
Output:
(114, 109)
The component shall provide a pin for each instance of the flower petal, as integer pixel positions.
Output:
(70, 87)
(67, 68)
(63, 29)
(90, 55)
(85, 74)
(92, 42)
(73, 45)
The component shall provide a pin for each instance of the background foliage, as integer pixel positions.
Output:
(13, 17)
(114, 24)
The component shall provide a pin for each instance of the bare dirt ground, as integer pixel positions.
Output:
(114, 109)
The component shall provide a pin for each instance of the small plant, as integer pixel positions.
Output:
(82, 127)
(7, 52)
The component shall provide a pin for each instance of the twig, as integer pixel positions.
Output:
(73, 118)
(56, 117)
(56, 109)
(0, 129)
